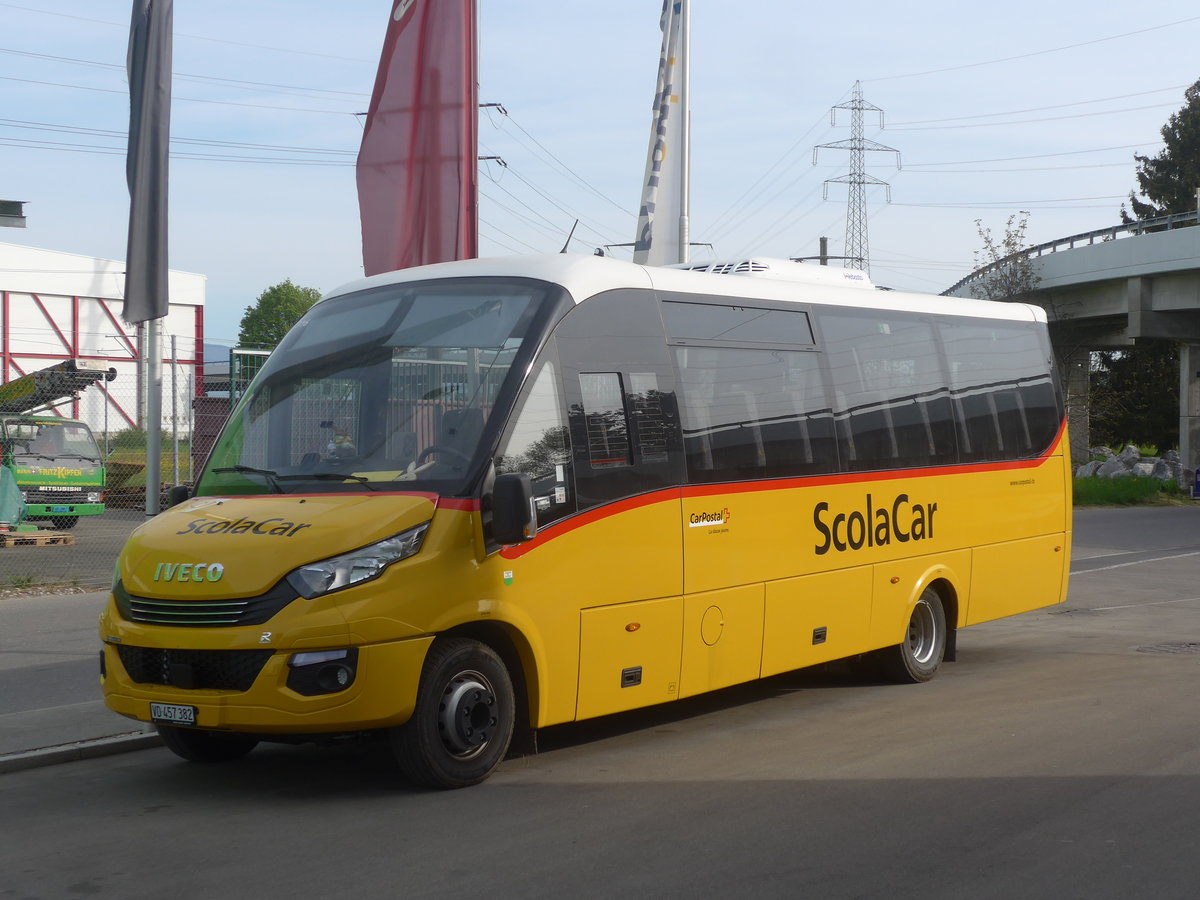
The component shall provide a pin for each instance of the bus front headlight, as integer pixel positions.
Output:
(363, 564)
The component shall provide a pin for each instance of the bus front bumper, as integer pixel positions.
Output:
(382, 694)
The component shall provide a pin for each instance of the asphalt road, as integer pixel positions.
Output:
(1059, 757)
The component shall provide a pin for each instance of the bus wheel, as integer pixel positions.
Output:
(463, 721)
(919, 657)
(64, 523)
(205, 746)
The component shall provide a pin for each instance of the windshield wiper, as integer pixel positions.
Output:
(329, 476)
(269, 476)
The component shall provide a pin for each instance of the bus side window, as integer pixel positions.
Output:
(605, 419)
(891, 402)
(537, 444)
(1002, 383)
(754, 413)
(620, 397)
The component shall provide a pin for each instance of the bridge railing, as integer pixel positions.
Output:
(1162, 223)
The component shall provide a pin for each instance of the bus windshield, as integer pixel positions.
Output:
(391, 388)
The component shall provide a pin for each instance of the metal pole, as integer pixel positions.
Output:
(153, 415)
(174, 416)
(685, 130)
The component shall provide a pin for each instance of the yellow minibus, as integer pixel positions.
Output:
(482, 496)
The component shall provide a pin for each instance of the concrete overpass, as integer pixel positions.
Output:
(1110, 288)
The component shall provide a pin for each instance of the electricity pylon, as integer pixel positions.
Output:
(857, 254)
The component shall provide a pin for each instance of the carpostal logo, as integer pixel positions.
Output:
(873, 524)
(707, 519)
(278, 526)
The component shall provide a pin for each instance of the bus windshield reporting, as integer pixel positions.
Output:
(463, 502)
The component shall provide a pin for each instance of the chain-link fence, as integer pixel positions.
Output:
(66, 542)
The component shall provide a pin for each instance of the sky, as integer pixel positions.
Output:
(994, 109)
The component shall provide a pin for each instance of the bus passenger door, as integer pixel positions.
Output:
(628, 466)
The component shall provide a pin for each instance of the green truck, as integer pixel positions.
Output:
(54, 461)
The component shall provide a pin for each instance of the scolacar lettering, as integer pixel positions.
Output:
(276, 526)
(874, 525)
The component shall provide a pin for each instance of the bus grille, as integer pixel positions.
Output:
(203, 613)
(222, 670)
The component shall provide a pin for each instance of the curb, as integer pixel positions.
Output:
(78, 750)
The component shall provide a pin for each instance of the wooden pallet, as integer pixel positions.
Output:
(35, 539)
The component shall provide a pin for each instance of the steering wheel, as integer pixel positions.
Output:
(439, 448)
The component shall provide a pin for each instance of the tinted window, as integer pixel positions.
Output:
(754, 413)
(735, 325)
(605, 421)
(1004, 391)
(620, 396)
(890, 398)
(537, 444)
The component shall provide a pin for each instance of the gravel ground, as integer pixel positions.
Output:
(42, 590)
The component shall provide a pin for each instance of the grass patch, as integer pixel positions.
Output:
(1128, 492)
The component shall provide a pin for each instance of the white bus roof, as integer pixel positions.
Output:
(584, 276)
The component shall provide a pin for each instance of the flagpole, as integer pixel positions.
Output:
(685, 126)
(153, 416)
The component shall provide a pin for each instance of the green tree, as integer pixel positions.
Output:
(1169, 180)
(275, 311)
(1135, 395)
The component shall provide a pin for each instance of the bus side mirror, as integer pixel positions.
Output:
(176, 495)
(514, 520)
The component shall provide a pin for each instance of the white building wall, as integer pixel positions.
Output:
(56, 306)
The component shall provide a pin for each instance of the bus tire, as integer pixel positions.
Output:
(919, 656)
(64, 523)
(464, 716)
(196, 745)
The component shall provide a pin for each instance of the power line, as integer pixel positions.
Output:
(964, 162)
(990, 62)
(357, 95)
(104, 132)
(195, 37)
(1016, 112)
(573, 174)
(1088, 115)
(84, 87)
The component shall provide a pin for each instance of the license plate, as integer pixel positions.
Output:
(172, 714)
(60, 509)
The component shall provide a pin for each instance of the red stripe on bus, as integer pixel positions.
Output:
(460, 504)
(595, 514)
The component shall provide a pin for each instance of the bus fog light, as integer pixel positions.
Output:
(334, 677)
(322, 671)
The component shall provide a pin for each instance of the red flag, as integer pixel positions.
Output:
(417, 169)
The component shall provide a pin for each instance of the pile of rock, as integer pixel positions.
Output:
(1130, 463)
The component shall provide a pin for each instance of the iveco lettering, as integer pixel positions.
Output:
(463, 502)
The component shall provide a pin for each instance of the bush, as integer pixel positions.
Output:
(134, 439)
(1126, 491)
